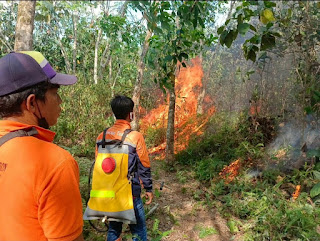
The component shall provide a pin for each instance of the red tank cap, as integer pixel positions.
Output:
(108, 165)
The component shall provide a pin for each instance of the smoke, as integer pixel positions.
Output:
(294, 143)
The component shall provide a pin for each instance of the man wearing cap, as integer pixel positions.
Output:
(39, 181)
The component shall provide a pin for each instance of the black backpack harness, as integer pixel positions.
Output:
(18, 133)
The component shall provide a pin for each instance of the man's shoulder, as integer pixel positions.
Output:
(39, 149)
(136, 135)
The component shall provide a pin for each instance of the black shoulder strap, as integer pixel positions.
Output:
(19, 133)
(125, 133)
(103, 141)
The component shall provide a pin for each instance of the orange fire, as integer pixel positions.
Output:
(297, 192)
(187, 123)
(228, 173)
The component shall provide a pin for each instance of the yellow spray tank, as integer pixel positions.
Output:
(111, 193)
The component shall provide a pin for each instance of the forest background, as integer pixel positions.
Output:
(243, 93)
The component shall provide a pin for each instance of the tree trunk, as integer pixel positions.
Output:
(170, 126)
(138, 84)
(24, 27)
(201, 98)
(110, 69)
(96, 52)
(106, 56)
(66, 60)
(5, 42)
(74, 59)
(203, 90)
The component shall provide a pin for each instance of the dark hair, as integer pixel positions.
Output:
(121, 106)
(10, 105)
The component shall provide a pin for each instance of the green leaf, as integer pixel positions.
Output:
(308, 110)
(184, 64)
(184, 55)
(168, 58)
(165, 25)
(157, 193)
(220, 30)
(253, 28)
(240, 18)
(276, 34)
(195, 22)
(313, 152)
(249, 73)
(267, 41)
(232, 226)
(201, 22)
(316, 95)
(231, 36)
(269, 4)
(165, 5)
(243, 28)
(251, 55)
(315, 191)
(223, 37)
(255, 39)
(316, 175)
(196, 13)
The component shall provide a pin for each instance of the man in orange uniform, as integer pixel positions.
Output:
(122, 108)
(39, 181)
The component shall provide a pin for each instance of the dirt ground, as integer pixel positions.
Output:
(180, 217)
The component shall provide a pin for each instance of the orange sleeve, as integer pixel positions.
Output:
(142, 150)
(98, 139)
(60, 204)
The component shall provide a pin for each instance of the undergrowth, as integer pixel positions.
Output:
(261, 206)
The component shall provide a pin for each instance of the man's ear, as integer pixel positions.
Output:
(30, 103)
(131, 116)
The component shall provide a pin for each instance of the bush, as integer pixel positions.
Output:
(155, 137)
(83, 117)
(219, 147)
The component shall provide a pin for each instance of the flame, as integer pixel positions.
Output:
(187, 123)
(297, 192)
(255, 107)
(228, 173)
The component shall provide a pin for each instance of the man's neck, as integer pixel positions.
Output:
(25, 119)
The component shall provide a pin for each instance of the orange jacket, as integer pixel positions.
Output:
(39, 188)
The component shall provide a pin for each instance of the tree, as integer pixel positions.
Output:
(280, 28)
(7, 31)
(137, 88)
(24, 27)
(178, 28)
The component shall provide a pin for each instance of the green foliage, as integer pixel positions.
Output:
(282, 26)
(182, 176)
(262, 37)
(315, 191)
(155, 136)
(233, 226)
(228, 143)
(206, 231)
(178, 29)
(83, 117)
(267, 214)
(156, 234)
(263, 204)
